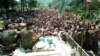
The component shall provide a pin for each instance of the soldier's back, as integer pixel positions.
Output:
(26, 39)
(8, 37)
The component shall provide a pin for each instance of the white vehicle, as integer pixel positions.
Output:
(57, 48)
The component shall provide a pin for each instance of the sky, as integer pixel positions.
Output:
(44, 2)
(17, 0)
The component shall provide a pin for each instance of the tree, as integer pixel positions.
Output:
(32, 3)
(13, 3)
(28, 4)
(22, 5)
(62, 5)
(6, 4)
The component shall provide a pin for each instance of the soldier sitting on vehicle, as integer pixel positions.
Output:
(8, 39)
(27, 38)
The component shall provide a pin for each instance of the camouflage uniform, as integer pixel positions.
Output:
(8, 40)
(8, 37)
(26, 39)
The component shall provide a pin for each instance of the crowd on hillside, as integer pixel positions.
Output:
(26, 32)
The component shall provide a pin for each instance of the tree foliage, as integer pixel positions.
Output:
(7, 3)
(33, 3)
(28, 3)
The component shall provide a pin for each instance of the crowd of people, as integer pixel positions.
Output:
(48, 22)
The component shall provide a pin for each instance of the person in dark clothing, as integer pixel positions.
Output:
(1, 36)
(64, 37)
(95, 39)
(86, 44)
